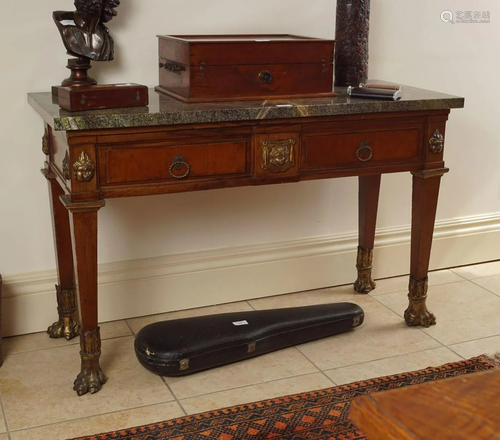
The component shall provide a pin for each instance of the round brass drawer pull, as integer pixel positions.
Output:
(265, 76)
(178, 164)
(364, 152)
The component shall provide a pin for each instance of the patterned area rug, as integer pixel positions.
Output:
(318, 415)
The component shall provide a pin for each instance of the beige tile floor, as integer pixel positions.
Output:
(37, 401)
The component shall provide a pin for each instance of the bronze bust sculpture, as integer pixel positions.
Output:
(83, 32)
(86, 37)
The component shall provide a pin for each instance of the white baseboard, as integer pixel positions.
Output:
(156, 285)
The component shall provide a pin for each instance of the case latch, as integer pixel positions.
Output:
(184, 364)
(252, 346)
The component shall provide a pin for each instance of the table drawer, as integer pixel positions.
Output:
(369, 148)
(184, 162)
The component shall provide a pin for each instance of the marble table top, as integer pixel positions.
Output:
(164, 110)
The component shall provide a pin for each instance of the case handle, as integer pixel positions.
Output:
(173, 67)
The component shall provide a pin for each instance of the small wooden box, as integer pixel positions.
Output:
(203, 68)
(102, 96)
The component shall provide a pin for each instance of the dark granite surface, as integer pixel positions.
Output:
(163, 110)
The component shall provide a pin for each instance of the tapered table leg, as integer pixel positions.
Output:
(369, 189)
(424, 205)
(67, 324)
(84, 229)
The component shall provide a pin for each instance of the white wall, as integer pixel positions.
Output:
(408, 43)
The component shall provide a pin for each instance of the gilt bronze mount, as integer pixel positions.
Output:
(364, 260)
(417, 313)
(84, 168)
(46, 142)
(67, 325)
(91, 378)
(436, 142)
(278, 155)
(66, 168)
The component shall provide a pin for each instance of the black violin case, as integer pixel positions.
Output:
(184, 346)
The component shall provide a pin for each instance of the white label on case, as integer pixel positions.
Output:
(238, 323)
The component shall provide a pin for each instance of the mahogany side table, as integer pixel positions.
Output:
(172, 146)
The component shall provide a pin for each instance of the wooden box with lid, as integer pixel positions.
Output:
(204, 68)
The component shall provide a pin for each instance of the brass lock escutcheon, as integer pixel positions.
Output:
(178, 164)
(364, 152)
(265, 76)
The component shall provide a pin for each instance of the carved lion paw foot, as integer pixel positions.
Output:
(89, 381)
(61, 329)
(364, 285)
(424, 317)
